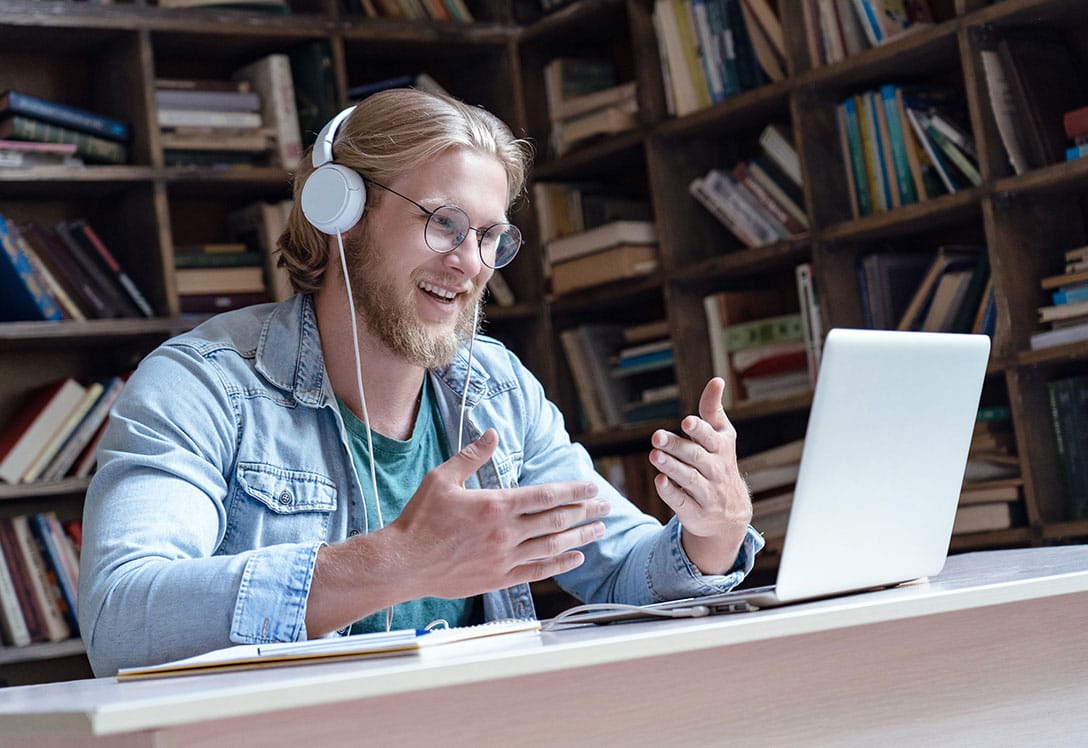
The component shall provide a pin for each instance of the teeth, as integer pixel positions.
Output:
(441, 292)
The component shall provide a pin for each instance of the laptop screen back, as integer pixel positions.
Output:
(883, 463)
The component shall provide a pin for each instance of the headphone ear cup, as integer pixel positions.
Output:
(333, 198)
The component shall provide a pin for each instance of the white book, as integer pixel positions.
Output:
(602, 237)
(717, 206)
(781, 151)
(270, 76)
(71, 423)
(12, 620)
(208, 118)
(686, 97)
(45, 424)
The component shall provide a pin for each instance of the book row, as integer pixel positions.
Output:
(63, 271)
(39, 578)
(55, 433)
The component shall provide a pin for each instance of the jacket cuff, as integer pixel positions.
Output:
(272, 595)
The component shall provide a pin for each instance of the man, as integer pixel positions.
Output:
(236, 500)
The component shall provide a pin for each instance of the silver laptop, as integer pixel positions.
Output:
(880, 476)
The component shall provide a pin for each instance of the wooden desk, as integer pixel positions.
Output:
(993, 651)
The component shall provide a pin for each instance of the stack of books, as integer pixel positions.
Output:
(39, 578)
(216, 276)
(622, 374)
(586, 102)
(615, 251)
(956, 293)
(64, 271)
(54, 435)
(760, 352)
(97, 138)
(771, 476)
(903, 145)
(992, 494)
(759, 200)
(1065, 317)
(442, 11)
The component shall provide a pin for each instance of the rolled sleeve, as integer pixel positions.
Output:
(272, 595)
(672, 575)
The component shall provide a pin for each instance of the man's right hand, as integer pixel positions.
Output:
(454, 542)
(462, 542)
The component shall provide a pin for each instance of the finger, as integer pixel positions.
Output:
(680, 473)
(710, 405)
(540, 498)
(539, 569)
(565, 517)
(672, 494)
(555, 544)
(472, 456)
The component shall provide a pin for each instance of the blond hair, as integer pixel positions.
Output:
(389, 134)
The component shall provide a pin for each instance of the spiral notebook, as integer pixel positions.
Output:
(356, 646)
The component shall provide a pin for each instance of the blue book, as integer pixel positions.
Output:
(65, 116)
(1071, 295)
(23, 296)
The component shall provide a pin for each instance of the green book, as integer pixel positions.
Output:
(762, 331)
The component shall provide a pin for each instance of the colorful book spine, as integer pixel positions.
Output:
(69, 116)
(89, 147)
(24, 297)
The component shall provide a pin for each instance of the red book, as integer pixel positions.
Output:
(1076, 122)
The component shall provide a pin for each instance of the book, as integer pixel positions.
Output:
(891, 279)
(35, 424)
(20, 578)
(331, 649)
(776, 329)
(270, 77)
(610, 120)
(91, 148)
(79, 248)
(686, 96)
(111, 266)
(946, 299)
(231, 100)
(949, 258)
(12, 621)
(499, 290)
(74, 445)
(811, 318)
(984, 517)
(779, 148)
(575, 106)
(723, 310)
(616, 263)
(765, 33)
(219, 280)
(23, 295)
(71, 422)
(65, 115)
(213, 118)
(46, 275)
(1068, 398)
(314, 79)
(56, 567)
(44, 592)
(259, 226)
(600, 238)
(68, 272)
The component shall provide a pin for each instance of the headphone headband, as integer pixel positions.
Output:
(322, 152)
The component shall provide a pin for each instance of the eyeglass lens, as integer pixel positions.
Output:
(448, 227)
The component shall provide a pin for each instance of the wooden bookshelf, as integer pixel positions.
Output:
(106, 57)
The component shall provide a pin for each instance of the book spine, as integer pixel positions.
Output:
(90, 147)
(717, 207)
(20, 578)
(49, 279)
(42, 304)
(69, 116)
(86, 430)
(855, 159)
(904, 178)
(811, 318)
(56, 569)
(110, 295)
(208, 118)
(12, 620)
(758, 332)
(45, 594)
(111, 264)
(71, 274)
(271, 78)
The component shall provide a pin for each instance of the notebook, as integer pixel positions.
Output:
(884, 457)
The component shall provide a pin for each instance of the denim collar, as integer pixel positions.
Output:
(289, 356)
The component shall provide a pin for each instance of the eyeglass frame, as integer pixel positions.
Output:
(479, 232)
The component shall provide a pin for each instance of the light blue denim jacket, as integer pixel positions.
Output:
(225, 467)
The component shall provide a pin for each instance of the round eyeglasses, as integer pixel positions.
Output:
(448, 226)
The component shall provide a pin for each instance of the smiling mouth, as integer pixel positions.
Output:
(438, 293)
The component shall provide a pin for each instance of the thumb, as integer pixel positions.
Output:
(473, 456)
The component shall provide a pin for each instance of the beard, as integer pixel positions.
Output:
(393, 320)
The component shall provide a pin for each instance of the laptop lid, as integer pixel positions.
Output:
(884, 457)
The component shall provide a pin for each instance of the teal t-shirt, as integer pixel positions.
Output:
(400, 467)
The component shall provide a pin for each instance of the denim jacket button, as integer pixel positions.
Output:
(285, 498)
(353, 533)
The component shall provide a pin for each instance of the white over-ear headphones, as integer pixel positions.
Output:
(334, 196)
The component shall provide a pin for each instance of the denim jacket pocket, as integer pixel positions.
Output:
(271, 505)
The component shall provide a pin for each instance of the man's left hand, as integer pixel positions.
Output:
(700, 481)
